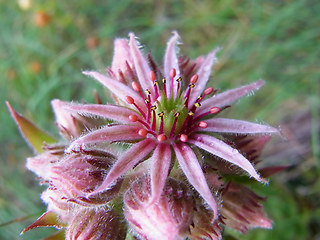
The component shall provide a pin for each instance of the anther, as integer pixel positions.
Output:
(154, 107)
(214, 110)
(190, 113)
(135, 86)
(161, 137)
(147, 91)
(133, 118)
(177, 114)
(192, 85)
(208, 91)
(203, 124)
(146, 100)
(183, 138)
(164, 80)
(194, 78)
(179, 79)
(152, 76)
(197, 104)
(155, 83)
(160, 114)
(129, 100)
(142, 132)
(172, 73)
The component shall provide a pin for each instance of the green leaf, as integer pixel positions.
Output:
(33, 135)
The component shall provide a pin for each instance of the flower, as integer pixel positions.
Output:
(167, 113)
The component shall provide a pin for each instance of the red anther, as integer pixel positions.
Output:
(194, 78)
(133, 118)
(214, 110)
(129, 100)
(152, 76)
(203, 124)
(208, 91)
(183, 138)
(172, 73)
(161, 137)
(142, 132)
(135, 86)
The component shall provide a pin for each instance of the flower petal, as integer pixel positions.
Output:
(117, 88)
(161, 160)
(121, 56)
(204, 75)
(141, 66)
(109, 111)
(223, 150)
(236, 126)
(130, 158)
(108, 133)
(228, 97)
(171, 61)
(192, 169)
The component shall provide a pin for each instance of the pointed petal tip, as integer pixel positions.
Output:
(259, 83)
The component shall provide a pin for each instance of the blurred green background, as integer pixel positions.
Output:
(46, 44)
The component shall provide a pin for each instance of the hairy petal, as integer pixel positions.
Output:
(130, 158)
(109, 111)
(141, 66)
(228, 97)
(204, 75)
(223, 150)
(236, 126)
(171, 61)
(159, 172)
(117, 88)
(121, 56)
(192, 169)
(108, 133)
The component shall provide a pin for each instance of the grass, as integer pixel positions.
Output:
(274, 40)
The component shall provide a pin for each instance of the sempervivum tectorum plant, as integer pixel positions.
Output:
(178, 151)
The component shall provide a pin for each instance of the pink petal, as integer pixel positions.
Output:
(204, 75)
(106, 134)
(223, 150)
(171, 61)
(141, 66)
(161, 160)
(117, 88)
(236, 126)
(112, 112)
(121, 56)
(192, 169)
(128, 159)
(228, 97)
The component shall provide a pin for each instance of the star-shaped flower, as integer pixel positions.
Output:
(167, 114)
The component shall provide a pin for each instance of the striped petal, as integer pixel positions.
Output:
(141, 66)
(171, 61)
(161, 160)
(225, 98)
(108, 134)
(117, 88)
(204, 75)
(223, 150)
(112, 112)
(225, 125)
(190, 166)
(128, 159)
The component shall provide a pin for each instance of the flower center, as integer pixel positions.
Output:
(168, 116)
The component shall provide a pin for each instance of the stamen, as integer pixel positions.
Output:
(213, 110)
(183, 138)
(161, 137)
(130, 100)
(178, 85)
(153, 108)
(153, 78)
(172, 74)
(193, 80)
(142, 132)
(176, 115)
(161, 122)
(137, 88)
(164, 80)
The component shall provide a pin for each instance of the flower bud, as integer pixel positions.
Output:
(242, 209)
(92, 224)
(172, 213)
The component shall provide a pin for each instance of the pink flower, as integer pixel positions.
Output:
(167, 114)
